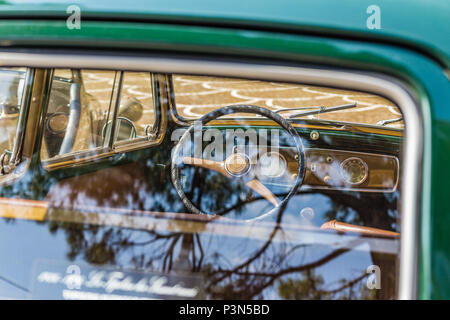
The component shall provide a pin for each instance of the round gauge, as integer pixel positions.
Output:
(57, 122)
(272, 165)
(354, 170)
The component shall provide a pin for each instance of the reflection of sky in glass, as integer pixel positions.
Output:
(23, 252)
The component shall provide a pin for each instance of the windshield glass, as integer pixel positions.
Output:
(198, 95)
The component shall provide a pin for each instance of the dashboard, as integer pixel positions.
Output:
(329, 169)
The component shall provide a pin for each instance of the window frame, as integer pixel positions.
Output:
(389, 87)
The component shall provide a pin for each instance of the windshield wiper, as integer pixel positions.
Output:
(318, 110)
(389, 121)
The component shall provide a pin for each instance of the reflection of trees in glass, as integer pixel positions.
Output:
(373, 210)
(247, 278)
(311, 287)
(215, 193)
(268, 268)
(263, 270)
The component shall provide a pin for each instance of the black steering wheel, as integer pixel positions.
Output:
(238, 168)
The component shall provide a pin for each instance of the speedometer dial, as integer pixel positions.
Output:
(272, 165)
(354, 170)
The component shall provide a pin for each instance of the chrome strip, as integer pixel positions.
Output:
(377, 84)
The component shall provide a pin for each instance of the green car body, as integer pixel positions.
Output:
(413, 46)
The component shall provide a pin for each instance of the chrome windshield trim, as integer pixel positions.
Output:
(390, 88)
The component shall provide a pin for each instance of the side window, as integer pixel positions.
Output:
(136, 114)
(82, 106)
(12, 82)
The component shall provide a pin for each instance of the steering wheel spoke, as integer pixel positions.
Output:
(258, 187)
(218, 166)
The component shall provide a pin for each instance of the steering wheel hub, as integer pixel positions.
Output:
(237, 164)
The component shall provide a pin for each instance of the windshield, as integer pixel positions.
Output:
(198, 95)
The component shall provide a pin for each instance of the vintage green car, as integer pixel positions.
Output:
(238, 150)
